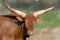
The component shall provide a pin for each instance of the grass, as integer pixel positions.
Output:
(49, 20)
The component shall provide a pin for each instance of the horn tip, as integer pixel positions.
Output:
(51, 7)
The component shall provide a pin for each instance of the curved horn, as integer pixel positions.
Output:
(42, 11)
(17, 12)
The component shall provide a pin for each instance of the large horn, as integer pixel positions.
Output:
(42, 11)
(17, 12)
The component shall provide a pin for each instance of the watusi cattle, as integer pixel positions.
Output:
(9, 30)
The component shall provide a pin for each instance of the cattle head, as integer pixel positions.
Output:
(29, 19)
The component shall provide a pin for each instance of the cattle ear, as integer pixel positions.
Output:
(20, 19)
(38, 19)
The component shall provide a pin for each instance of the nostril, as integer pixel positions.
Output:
(30, 33)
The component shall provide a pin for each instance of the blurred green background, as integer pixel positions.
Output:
(48, 20)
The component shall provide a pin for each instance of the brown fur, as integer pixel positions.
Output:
(26, 25)
(9, 30)
(29, 22)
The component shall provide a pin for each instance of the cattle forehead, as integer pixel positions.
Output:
(30, 17)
